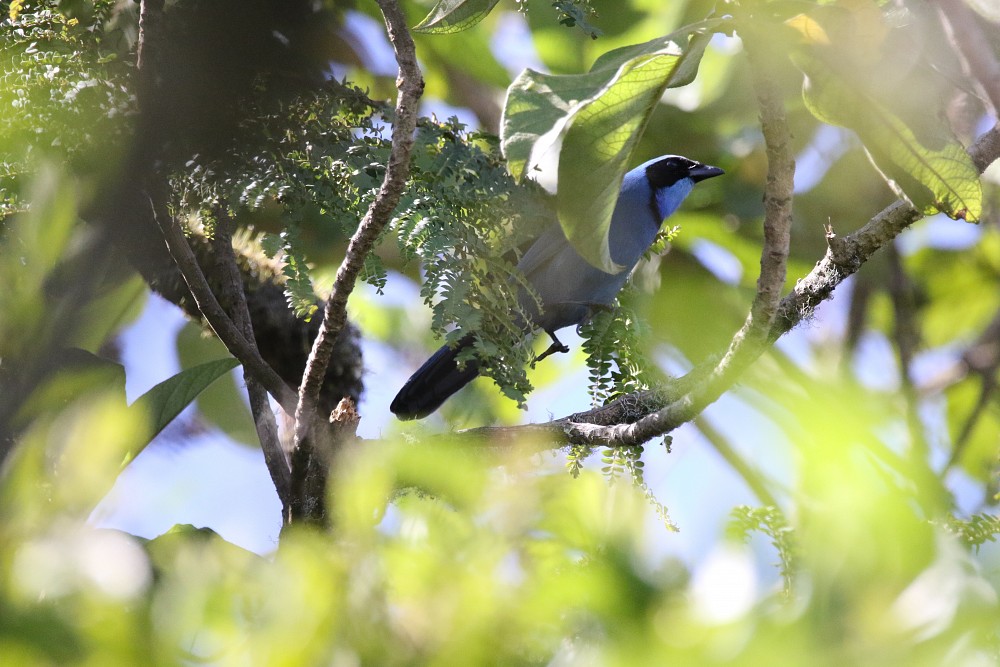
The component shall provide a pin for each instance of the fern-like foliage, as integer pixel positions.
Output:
(771, 522)
(615, 356)
(317, 157)
(465, 221)
(321, 158)
(63, 90)
(975, 531)
(618, 461)
(304, 169)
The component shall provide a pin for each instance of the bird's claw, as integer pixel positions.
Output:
(556, 346)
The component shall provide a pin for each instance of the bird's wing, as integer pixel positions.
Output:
(542, 251)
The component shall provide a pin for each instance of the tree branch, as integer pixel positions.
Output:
(410, 84)
(260, 407)
(209, 306)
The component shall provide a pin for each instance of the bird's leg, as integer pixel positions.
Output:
(556, 346)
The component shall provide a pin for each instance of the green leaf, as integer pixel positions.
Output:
(927, 166)
(113, 309)
(591, 123)
(454, 16)
(166, 400)
(977, 425)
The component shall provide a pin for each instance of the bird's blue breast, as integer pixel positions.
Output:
(639, 214)
(569, 286)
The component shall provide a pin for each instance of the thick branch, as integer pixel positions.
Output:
(845, 255)
(314, 439)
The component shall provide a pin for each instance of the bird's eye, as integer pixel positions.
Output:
(666, 172)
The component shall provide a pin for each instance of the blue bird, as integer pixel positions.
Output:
(570, 288)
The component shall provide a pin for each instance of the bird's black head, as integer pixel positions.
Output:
(666, 171)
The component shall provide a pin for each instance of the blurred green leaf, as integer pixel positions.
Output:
(111, 311)
(959, 302)
(974, 427)
(589, 124)
(855, 84)
(31, 244)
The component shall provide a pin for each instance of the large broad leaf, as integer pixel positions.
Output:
(582, 128)
(859, 86)
(166, 400)
(924, 163)
(455, 15)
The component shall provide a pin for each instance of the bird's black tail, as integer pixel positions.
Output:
(434, 382)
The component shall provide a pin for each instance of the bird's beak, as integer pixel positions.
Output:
(704, 171)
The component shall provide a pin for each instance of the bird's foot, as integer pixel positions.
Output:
(556, 346)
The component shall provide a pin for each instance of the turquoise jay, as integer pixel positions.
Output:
(570, 288)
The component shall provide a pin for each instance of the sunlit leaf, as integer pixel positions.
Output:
(583, 128)
(852, 81)
(931, 170)
(455, 15)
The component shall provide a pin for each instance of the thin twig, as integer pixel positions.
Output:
(410, 84)
(232, 293)
(757, 482)
(906, 336)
